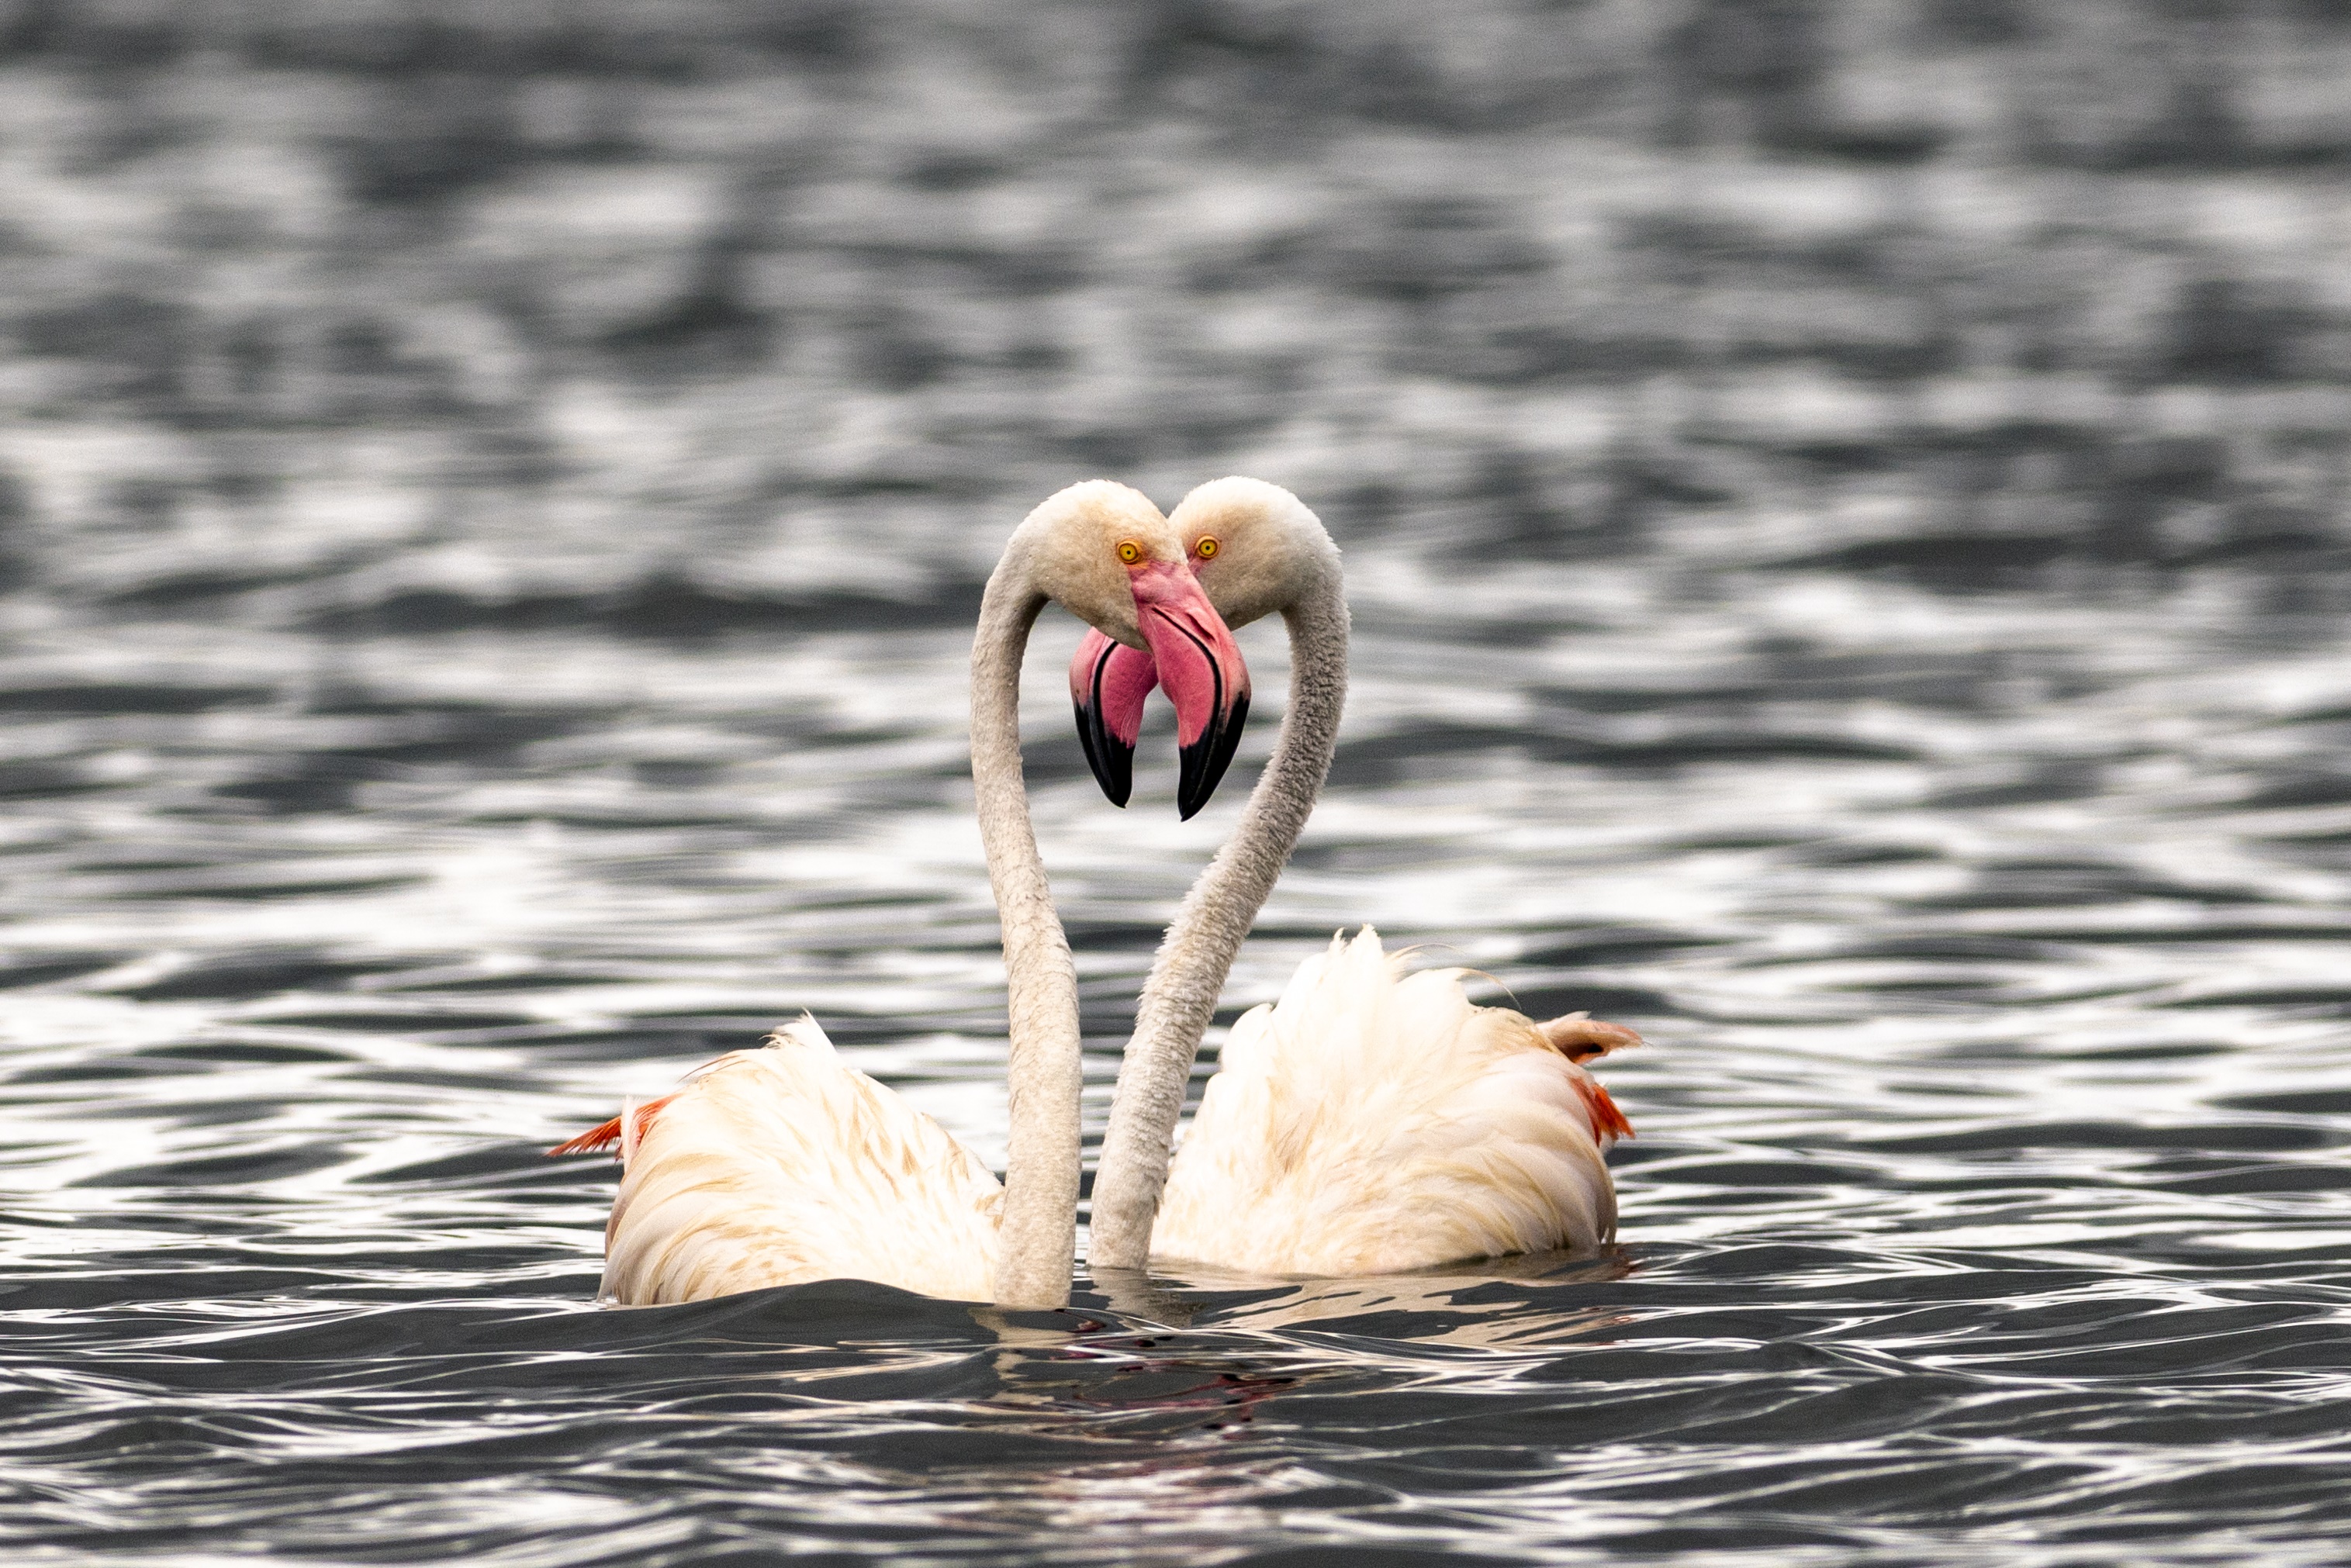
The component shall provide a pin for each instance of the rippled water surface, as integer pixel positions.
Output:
(1845, 509)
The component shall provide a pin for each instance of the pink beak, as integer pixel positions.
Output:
(1193, 655)
(1108, 682)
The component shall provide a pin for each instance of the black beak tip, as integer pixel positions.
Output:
(1188, 801)
(1206, 760)
(1112, 762)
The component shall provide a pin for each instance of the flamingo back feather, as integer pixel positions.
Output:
(782, 1166)
(1373, 1121)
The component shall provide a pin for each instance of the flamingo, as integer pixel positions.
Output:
(783, 1165)
(1369, 1121)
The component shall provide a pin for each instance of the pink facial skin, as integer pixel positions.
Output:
(1191, 654)
(1191, 648)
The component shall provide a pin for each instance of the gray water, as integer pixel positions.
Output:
(1844, 507)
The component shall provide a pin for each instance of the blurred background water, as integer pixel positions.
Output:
(1845, 509)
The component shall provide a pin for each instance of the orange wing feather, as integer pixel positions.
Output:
(1606, 1119)
(606, 1139)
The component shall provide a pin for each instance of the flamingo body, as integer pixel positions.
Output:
(1373, 1121)
(784, 1164)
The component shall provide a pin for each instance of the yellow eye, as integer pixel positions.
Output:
(1206, 548)
(1129, 551)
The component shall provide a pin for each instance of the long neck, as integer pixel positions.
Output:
(1181, 994)
(1038, 1242)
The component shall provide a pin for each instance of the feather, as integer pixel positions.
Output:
(1372, 1122)
(782, 1166)
(607, 1138)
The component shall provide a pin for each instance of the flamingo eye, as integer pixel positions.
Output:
(1129, 551)
(1206, 548)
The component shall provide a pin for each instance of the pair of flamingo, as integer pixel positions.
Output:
(1368, 1122)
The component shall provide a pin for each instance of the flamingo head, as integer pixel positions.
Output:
(1254, 549)
(1104, 553)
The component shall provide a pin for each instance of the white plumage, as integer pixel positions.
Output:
(784, 1164)
(1372, 1122)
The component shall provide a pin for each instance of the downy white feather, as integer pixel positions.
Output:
(782, 1166)
(1372, 1122)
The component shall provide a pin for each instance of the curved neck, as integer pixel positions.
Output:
(1038, 1242)
(1197, 953)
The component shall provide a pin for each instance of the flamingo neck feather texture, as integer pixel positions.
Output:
(1058, 553)
(1037, 1245)
(1197, 953)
